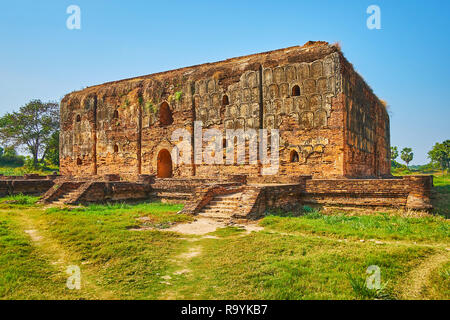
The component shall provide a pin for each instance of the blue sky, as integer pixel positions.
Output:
(406, 62)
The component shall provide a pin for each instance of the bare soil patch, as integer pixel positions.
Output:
(201, 226)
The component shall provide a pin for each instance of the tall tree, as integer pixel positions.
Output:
(394, 153)
(407, 155)
(440, 154)
(52, 154)
(31, 127)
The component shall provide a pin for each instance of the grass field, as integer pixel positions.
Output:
(20, 171)
(311, 256)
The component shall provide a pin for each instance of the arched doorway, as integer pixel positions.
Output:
(164, 164)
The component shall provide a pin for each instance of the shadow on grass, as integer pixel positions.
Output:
(441, 200)
(297, 212)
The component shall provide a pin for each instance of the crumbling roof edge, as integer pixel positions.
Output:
(309, 44)
(368, 87)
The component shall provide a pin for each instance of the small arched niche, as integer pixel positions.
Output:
(165, 114)
(78, 119)
(295, 91)
(79, 162)
(225, 100)
(116, 114)
(116, 148)
(293, 157)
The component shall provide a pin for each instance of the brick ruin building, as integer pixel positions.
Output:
(330, 121)
(115, 141)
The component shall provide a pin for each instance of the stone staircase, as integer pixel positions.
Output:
(64, 193)
(65, 198)
(221, 206)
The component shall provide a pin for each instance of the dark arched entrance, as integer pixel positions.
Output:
(164, 164)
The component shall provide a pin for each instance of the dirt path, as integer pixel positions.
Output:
(417, 280)
(181, 273)
(413, 285)
(60, 257)
(203, 225)
(437, 245)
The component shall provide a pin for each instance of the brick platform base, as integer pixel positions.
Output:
(235, 196)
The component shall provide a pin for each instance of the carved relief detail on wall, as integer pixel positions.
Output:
(207, 102)
(242, 112)
(309, 147)
(318, 82)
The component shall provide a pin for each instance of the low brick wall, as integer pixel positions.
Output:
(32, 187)
(408, 192)
(269, 179)
(287, 197)
(98, 192)
(411, 192)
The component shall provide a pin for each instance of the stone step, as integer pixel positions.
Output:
(232, 201)
(225, 200)
(222, 206)
(216, 215)
(229, 196)
(174, 195)
(67, 196)
(213, 208)
(57, 203)
(224, 209)
(218, 207)
(228, 202)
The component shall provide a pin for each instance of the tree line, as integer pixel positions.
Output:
(34, 129)
(439, 155)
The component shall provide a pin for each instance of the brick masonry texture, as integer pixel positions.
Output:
(334, 135)
(34, 185)
(330, 122)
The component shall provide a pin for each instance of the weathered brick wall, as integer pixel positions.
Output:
(367, 131)
(114, 191)
(120, 127)
(270, 198)
(77, 138)
(310, 124)
(34, 187)
(411, 192)
(117, 131)
(408, 192)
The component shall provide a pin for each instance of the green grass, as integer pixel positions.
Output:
(24, 273)
(440, 283)
(374, 226)
(19, 199)
(98, 239)
(128, 261)
(227, 232)
(361, 290)
(20, 171)
(274, 266)
(441, 196)
(125, 252)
